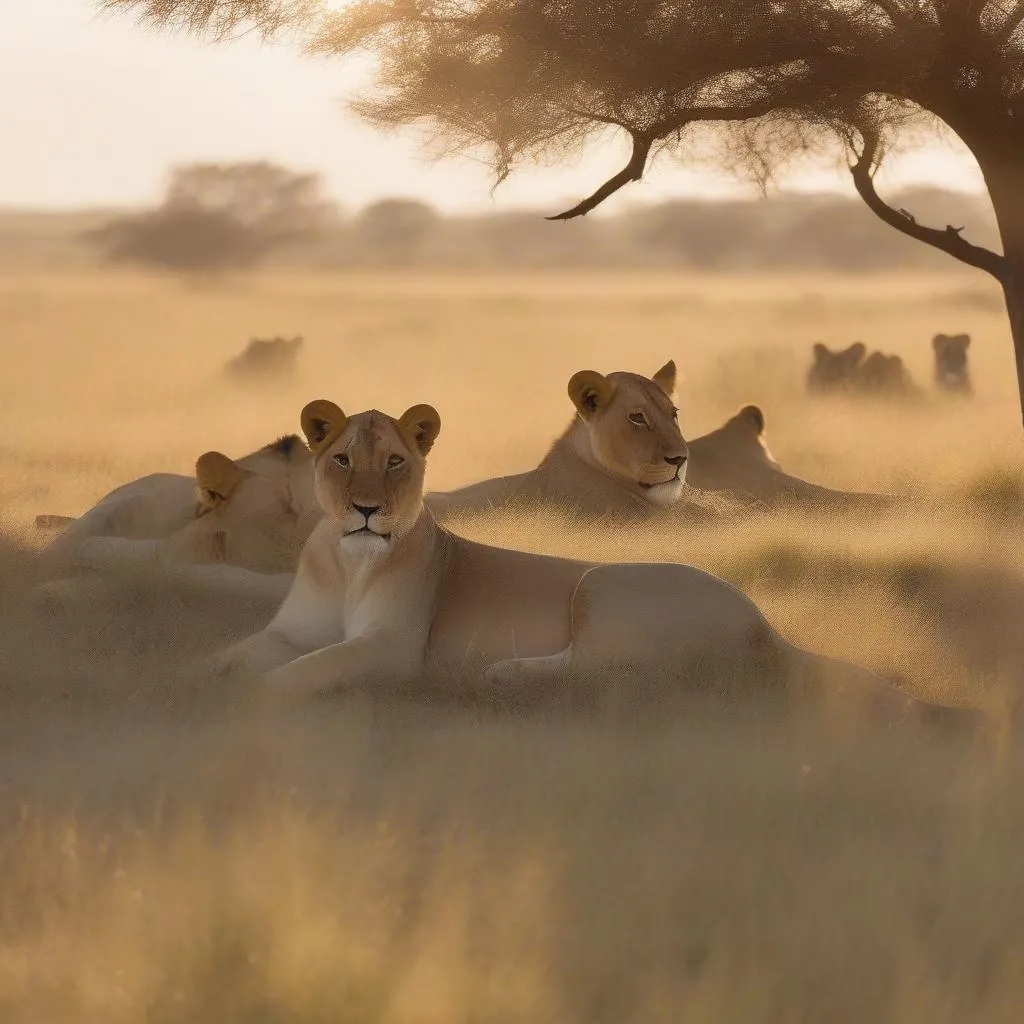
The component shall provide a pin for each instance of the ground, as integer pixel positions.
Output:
(172, 855)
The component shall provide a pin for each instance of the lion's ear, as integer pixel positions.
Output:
(939, 341)
(665, 378)
(590, 392)
(821, 351)
(321, 421)
(753, 415)
(964, 340)
(422, 423)
(855, 353)
(217, 476)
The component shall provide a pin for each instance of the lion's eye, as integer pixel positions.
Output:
(675, 415)
(394, 461)
(638, 418)
(342, 460)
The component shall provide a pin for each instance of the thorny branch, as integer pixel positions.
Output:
(947, 239)
(644, 140)
(633, 171)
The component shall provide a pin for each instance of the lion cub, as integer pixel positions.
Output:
(383, 594)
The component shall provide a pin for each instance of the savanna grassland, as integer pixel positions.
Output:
(172, 854)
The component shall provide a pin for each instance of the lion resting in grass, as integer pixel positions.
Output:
(384, 594)
(265, 360)
(624, 453)
(234, 520)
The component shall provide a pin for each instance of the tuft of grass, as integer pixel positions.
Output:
(786, 565)
(996, 493)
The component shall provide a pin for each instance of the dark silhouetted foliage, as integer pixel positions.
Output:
(392, 231)
(218, 217)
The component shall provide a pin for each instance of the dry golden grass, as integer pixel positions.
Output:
(173, 855)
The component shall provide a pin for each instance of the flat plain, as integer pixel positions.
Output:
(170, 854)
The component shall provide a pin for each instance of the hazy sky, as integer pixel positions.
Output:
(93, 110)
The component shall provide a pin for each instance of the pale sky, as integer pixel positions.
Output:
(93, 110)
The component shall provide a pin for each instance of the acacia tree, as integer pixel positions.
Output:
(217, 217)
(775, 78)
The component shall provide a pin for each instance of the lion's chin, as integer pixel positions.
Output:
(667, 493)
(366, 541)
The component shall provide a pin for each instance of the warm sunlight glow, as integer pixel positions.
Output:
(415, 610)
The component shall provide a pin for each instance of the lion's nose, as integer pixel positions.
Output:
(675, 460)
(366, 510)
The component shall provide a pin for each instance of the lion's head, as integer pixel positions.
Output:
(268, 358)
(951, 360)
(255, 512)
(883, 373)
(834, 370)
(633, 430)
(369, 468)
(735, 456)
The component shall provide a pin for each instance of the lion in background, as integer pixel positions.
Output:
(952, 374)
(853, 371)
(265, 360)
(624, 454)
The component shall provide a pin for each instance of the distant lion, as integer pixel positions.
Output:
(623, 453)
(271, 359)
(834, 371)
(736, 458)
(952, 373)
(884, 375)
(853, 371)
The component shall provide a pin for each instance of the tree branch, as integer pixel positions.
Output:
(1012, 23)
(222, 20)
(633, 171)
(947, 239)
(645, 139)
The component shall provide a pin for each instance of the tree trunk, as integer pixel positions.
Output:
(1013, 291)
(1003, 169)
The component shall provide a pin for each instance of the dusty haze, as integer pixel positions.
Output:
(176, 855)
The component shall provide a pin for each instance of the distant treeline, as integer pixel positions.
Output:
(791, 231)
(189, 233)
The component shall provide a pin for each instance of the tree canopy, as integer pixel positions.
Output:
(217, 217)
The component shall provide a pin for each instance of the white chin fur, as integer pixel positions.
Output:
(665, 494)
(364, 543)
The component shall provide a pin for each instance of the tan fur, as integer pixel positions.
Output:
(885, 375)
(854, 372)
(600, 464)
(622, 452)
(952, 373)
(253, 513)
(736, 458)
(267, 360)
(384, 597)
(834, 371)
